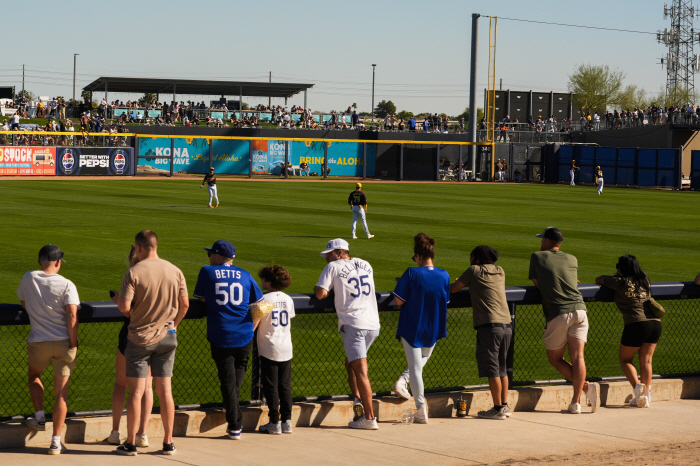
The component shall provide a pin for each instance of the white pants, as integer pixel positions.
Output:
(359, 211)
(416, 358)
(212, 194)
(500, 175)
(600, 185)
(571, 172)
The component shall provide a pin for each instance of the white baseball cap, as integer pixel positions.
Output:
(334, 244)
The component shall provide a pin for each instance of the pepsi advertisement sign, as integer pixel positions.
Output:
(94, 161)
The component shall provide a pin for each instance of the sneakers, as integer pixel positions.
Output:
(141, 441)
(592, 395)
(57, 449)
(370, 236)
(211, 206)
(169, 449)
(507, 411)
(234, 434)
(115, 438)
(421, 416)
(494, 413)
(217, 205)
(401, 390)
(640, 394)
(128, 449)
(287, 427)
(34, 424)
(354, 237)
(364, 423)
(271, 428)
(575, 408)
(357, 409)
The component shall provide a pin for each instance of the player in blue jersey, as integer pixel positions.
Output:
(423, 293)
(228, 291)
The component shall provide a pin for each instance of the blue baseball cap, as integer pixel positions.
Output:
(222, 248)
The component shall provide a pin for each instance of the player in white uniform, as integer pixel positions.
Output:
(352, 280)
(274, 339)
(599, 179)
(210, 179)
(358, 203)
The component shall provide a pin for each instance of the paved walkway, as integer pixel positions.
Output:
(524, 438)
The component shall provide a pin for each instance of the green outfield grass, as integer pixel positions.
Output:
(94, 222)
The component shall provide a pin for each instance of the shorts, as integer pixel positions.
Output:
(357, 342)
(159, 356)
(558, 329)
(492, 345)
(41, 353)
(638, 333)
(123, 333)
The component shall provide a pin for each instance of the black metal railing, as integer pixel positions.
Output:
(317, 367)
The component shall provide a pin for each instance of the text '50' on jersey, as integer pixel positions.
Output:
(228, 291)
(352, 280)
(357, 198)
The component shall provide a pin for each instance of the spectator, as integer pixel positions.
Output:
(423, 293)
(517, 176)
(412, 124)
(304, 169)
(52, 303)
(555, 274)
(274, 340)
(355, 118)
(642, 328)
(352, 280)
(228, 292)
(154, 296)
(492, 322)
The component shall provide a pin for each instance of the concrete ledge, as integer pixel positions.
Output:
(338, 413)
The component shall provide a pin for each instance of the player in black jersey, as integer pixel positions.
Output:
(210, 179)
(358, 203)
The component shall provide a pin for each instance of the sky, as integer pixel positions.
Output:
(421, 49)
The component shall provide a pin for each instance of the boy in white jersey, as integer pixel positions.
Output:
(275, 350)
(352, 280)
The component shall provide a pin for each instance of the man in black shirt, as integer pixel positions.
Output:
(358, 202)
(210, 179)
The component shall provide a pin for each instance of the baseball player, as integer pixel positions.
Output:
(210, 179)
(572, 170)
(358, 203)
(599, 179)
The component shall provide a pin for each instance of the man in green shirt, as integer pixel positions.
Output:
(555, 274)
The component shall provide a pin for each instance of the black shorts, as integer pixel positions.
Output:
(123, 332)
(492, 345)
(638, 333)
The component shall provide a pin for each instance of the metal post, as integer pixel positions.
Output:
(211, 152)
(364, 163)
(325, 160)
(437, 167)
(304, 99)
(240, 100)
(459, 167)
(472, 88)
(269, 99)
(511, 349)
(74, 68)
(172, 155)
(23, 81)
(106, 96)
(373, 67)
(400, 162)
(286, 158)
(174, 92)
(551, 102)
(250, 159)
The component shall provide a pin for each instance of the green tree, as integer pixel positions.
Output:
(384, 108)
(634, 97)
(678, 96)
(595, 87)
(404, 115)
(27, 94)
(465, 114)
(148, 98)
(245, 106)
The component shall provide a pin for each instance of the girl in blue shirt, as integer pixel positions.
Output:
(423, 293)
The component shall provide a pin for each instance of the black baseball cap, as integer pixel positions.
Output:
(51, 253)
(553, 234)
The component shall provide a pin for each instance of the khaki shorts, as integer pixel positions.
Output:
(558, 329)
(41, 353)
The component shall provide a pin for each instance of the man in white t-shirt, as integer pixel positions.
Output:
(52, 303)
(352, 280)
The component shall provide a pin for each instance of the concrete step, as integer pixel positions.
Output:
(338, 413)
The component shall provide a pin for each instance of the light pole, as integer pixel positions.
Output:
(373, 66)
(74, 62)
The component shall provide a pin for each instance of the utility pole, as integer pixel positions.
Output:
(75, 55)
(373, 66)
(22, 80)
(269, 99)
(472, 90)
(681, 63)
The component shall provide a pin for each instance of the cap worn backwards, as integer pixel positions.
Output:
(50, 253)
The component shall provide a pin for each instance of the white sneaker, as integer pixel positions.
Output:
(271, 428)
(141, 441)
(592, 395)
(34, 424)
(639, 390)
(358, 410)
(401, 390)
(507, 411)
(115, 438)
(287, 427)
(421, 416)
(354, 237)
(575, 408)
(57, 449)
(370, 236)
(644, 399)
(364, 423)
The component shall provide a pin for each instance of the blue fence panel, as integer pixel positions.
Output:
(666, 158)
(606, 156)
(626, 157)
(695, 169)
(647, 158)
(646, 177)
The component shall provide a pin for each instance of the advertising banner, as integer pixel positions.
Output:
(192, 155)
(344, 158)
(27, 161)
(268, 157)
(95, 161)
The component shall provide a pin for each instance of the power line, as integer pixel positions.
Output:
(575, 25)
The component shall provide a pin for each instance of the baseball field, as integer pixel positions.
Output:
(288, 223)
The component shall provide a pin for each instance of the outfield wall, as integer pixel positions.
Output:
(71, 161)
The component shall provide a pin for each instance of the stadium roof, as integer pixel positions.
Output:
(195, 87)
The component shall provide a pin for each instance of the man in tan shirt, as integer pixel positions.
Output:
(154, 296)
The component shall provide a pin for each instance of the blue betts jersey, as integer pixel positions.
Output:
(228, 291)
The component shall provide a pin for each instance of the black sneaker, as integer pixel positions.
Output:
(128, 449)
(169, 449)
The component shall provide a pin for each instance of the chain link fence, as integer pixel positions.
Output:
(317, 367)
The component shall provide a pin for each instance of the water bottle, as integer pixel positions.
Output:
(171, 328)
(461, 408)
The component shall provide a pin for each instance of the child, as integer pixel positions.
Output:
(274, 340)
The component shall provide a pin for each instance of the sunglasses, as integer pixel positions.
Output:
(413, 258)
(208, 253)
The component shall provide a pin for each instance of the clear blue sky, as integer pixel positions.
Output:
(422, 49)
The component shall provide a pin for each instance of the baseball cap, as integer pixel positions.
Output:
(552, 233)
(50, 253)
(211, 169)
(358, 185)
(334, 244)
(223, 248)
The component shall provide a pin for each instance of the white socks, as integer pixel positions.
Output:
(56, 440)
(39, 415)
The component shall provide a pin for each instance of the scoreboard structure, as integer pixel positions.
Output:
(523, 104)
